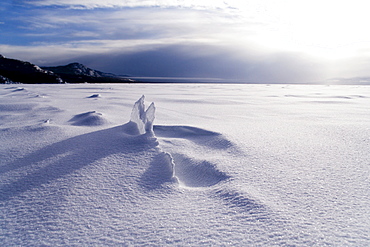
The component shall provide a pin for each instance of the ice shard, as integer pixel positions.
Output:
(143, 119)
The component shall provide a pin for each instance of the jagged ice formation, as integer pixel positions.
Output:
(143, 119)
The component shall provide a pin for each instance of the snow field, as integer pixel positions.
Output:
(257, 165)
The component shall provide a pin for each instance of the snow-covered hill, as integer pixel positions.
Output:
(13, 70)
(17, 71)
(78, 69)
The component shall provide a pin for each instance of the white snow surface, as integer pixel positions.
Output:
(239, 165)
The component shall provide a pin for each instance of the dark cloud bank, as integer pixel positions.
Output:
(209, 62)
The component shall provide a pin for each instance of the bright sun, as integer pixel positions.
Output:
(331, 29)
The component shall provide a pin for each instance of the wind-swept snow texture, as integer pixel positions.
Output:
(239, 165)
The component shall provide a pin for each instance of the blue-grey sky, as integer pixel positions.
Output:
(262, 41)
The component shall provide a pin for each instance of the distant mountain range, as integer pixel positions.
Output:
(17, 71)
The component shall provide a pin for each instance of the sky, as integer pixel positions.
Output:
(261, 41)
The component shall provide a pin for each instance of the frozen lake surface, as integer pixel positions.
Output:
(259, 165)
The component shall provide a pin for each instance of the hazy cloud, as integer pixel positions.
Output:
(91, 4)
(133, 23)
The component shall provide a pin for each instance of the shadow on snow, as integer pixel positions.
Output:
(70, 155)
